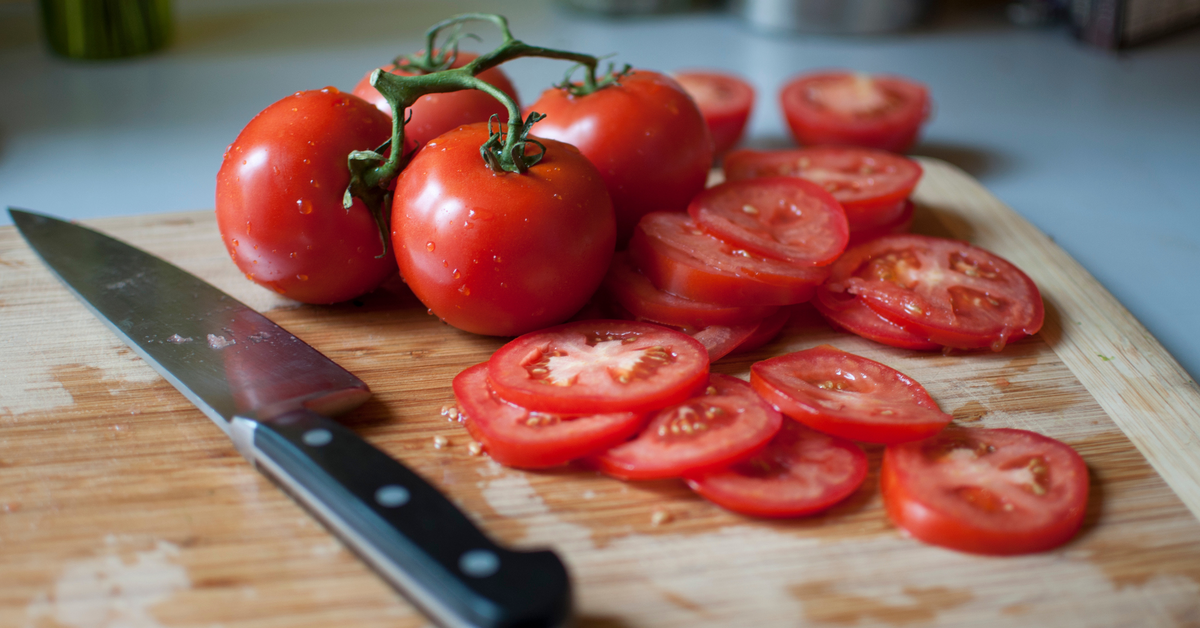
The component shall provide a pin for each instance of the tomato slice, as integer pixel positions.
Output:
(599, 366)
(986, 491)
(726, 423)
(766, 331)
(681, 258)
(718, 340)
(902, 223)
(800, 472)
(870, 184)
(848, 312)
(626, 285)
(950, 292)
(884, 112)
(847, 395)
(519, 437)
(781, 217)
(725, 102)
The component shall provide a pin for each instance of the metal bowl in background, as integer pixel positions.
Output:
(836, 17)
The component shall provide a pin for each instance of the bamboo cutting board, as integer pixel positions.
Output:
(122, 505)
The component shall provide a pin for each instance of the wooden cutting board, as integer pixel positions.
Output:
(122, 505)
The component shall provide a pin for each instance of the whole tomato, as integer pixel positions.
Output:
(501, 253)
(646, 136)
(279, 198)
(434, 114)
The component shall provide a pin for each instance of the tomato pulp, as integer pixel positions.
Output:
(724, 100)
(279, 198)
(434, 114)
(644, 134)
(884, 112)
(986, 491)
(501, 253)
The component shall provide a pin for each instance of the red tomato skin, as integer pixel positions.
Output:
(600, 390)
(724, 100)
(279, 199)
(894, 129)
(680, 258)
(785, 383)
(655, 454)
(766, 331)
(850, 314)
(742, 487)
(435, 114)
(645, 135)
(510, 438)
(902, 223)
(910, 510)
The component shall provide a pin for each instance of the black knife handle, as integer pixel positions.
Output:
(407, 530)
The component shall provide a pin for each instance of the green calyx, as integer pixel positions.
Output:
(507, 147)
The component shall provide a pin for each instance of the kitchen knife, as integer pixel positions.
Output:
(271, 394)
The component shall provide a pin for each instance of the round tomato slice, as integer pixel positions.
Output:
(725, 102)
(848, 312)
(626, 285)
(781, 217)
(726, 423)
(681, 258)
(766, 331)
(519, 437)
(999, 491)
(902, 223)
(950, 292)
(800, 472)
(870, 184)
(599, 366)
(884, 112)
(847, 395)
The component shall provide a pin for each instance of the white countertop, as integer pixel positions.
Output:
(1101, 151)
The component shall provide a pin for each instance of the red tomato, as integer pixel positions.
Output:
(634, 292)
(279, 198)
(645, 135)
(726, 423)
(766, 331)
(883, 112)
(434, 114)
(847, 395)
(599, 366)
(682, 259)
(870, 184)
(800, 472)
(725, 102)
(902, 223)
(999, 491)
(949, 292)
(518, 437)
(500, 254)
(718, 340)
(781, 217)
(848, 312)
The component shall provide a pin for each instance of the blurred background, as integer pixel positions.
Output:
(1082, 115)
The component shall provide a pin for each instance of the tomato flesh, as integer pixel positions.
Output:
(725, 102)
(884, 112)
(950, 292)
(986, 491)
(847, 395)
(519, 437)
(781, 217)
(800, 472)
(681, 258)
(435, 114)
(599, 366)
(870, 184)
(726, 423)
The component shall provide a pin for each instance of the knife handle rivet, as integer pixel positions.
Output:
(391, 496)
(479, 563)
(317, 437)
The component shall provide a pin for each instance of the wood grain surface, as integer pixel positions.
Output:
(121, 505)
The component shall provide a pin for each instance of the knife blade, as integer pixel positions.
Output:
(273, 394)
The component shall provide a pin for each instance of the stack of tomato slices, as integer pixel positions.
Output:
(873, 186)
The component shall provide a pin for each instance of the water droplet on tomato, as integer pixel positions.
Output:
(456, 274)
(304, 205)
(302, 277)
(307, 161)
(496, 258)
(315, 184)
(235, 242)
(429, 311)
(430, 246)
(466, 292)
(292, 255)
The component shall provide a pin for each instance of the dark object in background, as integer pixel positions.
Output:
(1122, 23)
(106, 29)
(835, 17)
